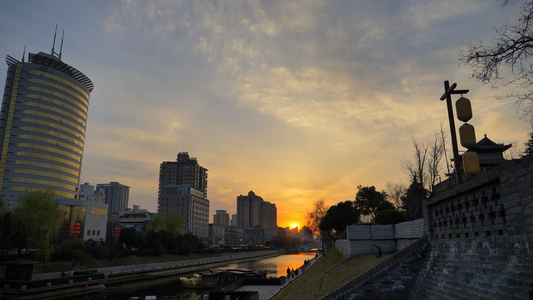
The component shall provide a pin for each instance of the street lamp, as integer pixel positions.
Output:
(448, 91)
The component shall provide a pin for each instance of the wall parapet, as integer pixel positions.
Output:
(481, 233)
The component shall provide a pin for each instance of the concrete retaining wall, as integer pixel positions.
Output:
(407, 233)
(362, 239)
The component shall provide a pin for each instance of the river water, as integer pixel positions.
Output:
(275, 267)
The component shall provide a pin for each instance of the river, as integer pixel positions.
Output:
(275, 267)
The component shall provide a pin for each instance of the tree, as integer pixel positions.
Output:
(426, 162)
(306, 233)
(10, 236)
(131, 238)
(314, 218)
(511, 49)
(316, 215)
(170, 223)
(370, 202)
(395, 191)
(413, 199)
(339, 216)
(36, 219)
(529, 144)
(390, 216)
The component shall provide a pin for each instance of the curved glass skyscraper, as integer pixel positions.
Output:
(42, 127)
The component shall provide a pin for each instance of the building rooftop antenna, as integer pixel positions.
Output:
(61, 48)
(54, 44)
(24, 53)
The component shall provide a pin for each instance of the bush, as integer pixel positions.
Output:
(390, 216)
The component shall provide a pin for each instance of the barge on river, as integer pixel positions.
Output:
(214, 279)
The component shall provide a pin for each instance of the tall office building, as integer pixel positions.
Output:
(42, 127)
(183, 190)
(221, 217)
(116, 196)
(253, 211)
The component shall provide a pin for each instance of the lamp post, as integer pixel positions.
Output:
(448, 91)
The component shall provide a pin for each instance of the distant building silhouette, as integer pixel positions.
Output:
(42, 127)
(183, 190)
(253, 211)
(490, 154)
(116, 196)
(221, 217)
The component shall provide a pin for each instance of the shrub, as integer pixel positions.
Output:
(390, 216)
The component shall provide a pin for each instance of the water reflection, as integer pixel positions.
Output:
(275, 266)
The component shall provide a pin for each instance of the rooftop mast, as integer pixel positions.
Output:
(61, 49)
(54, 44)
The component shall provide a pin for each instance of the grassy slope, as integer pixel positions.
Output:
(332, 279)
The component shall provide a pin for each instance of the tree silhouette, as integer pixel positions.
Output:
(413, 199)
(36, 220)
(512, 48)
(339, 216)
(370, 202)
(170, 223)
(529, 144)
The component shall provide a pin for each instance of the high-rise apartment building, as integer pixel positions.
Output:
(116, 196)
(183, 190)
(221, 217)
(42, 127)
(253, 211)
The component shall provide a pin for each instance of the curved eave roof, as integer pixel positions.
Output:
(53, 62)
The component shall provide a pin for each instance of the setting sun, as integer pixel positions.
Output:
(293, 225)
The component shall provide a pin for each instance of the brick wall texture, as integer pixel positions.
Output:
(481, 236)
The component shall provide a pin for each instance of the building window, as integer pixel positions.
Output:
(88, 232)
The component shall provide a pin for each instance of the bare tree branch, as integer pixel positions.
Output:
(512, 48)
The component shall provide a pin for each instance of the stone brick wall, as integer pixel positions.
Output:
(390, 238)
(481, 236)
(407, 233)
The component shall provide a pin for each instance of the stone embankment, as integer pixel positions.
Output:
(115, 276)
(393, 278)
(129, 272)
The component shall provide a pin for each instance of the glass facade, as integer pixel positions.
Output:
(42, 127)
(68, 216)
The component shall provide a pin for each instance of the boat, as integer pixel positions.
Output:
(225, 278)
(195, 282)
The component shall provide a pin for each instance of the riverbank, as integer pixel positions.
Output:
(115, 276)
(326, 274)
(55, 268)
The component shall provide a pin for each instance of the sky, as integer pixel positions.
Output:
(297, 101)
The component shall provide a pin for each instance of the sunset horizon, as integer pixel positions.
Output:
(297, 102)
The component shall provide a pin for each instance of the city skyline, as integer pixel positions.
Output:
(296, 101)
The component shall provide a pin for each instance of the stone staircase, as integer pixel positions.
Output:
(394, 278)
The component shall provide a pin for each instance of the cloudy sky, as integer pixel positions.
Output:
(295, 100)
